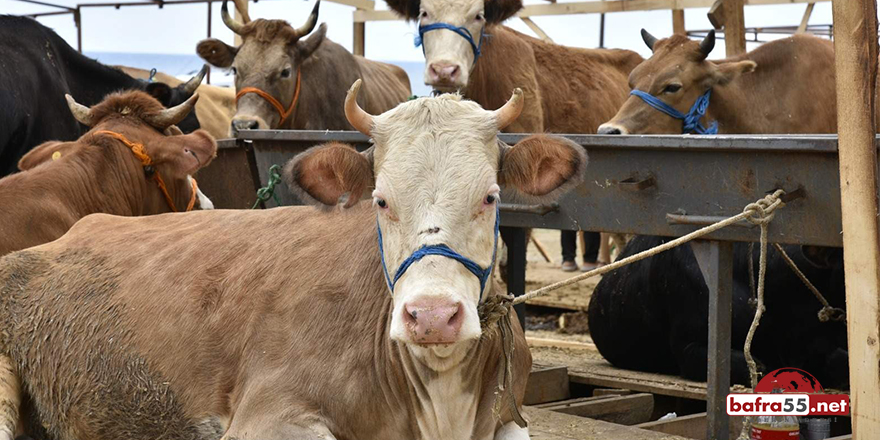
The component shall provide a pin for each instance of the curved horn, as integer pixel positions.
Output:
(649, 39)
(82, 113)
(511, 110)
(194, 82)
(305, 29)
(357, 117)
(708, 43)
(230, 22)
(173, 115)
(241, 9)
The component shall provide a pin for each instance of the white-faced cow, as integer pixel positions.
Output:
(784, 86)
(186, 327)
(39, 68)
(286, 78)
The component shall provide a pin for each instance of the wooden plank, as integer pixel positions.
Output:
(734, 27)
(559, 343)
(359, 36)
(806, 18)
(690, 426)
(547, 385)
(623, 410)
(855, 48)
(842, 437)
(550, 425)
(678, 21)
(611, 392)
(543, 35)
(565, 403)
(368, 5)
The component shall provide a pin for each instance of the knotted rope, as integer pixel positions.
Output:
(827, 313)
(268, 191)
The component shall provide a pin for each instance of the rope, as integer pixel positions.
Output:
(496, 309)
(827, 313)
(268, 191)
(282, 113)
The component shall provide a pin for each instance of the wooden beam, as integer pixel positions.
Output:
(690, 426)
(359, 35)
(368, 5)
(559, 343)
(547, 385)
(534, 27)
(806, 18)
(734, 28)
(678, 22)
(855, 50)
(549, 425)
(623, 410)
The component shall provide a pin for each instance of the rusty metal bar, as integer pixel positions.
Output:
(46, 14)
(51, 5)
(529, 209)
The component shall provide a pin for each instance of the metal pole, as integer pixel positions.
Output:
(208, 79)
(601, 30)
(855, 47)
(515, 239)
(77, 19)
(716, 262)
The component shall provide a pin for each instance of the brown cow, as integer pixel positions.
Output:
(62, 182)
(186, 327)
(784, 86)
(285, 80)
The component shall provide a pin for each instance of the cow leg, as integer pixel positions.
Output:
(10, 399)
(512, 431)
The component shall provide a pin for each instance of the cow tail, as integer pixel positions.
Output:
(10, 398)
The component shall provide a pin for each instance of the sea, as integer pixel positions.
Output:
(185, 66)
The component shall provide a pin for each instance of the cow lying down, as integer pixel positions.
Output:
(62, 182)
(356, 322)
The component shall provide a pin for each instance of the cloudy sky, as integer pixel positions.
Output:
(177, 28)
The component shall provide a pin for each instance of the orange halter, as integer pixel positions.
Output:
(141, 153)
(271, 99)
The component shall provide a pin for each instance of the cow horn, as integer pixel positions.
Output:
(357, 117)
(708, 43)
(194, 82)
(511, 110)
(305, 29)
(82, 113)
(173, 115)
(230, 22)
(649, 39)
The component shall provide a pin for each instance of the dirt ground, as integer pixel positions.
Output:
(540, 273)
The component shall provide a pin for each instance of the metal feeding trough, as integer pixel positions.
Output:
(650, 185)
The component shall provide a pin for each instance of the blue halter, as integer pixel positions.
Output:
(445, 251)
(691, 119)
(460, 30)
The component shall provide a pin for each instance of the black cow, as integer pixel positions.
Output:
(37, 68)
(653, 315)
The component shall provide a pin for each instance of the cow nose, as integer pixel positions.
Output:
(433, 321)
(244, 124)
(442, 72)
(609, 129)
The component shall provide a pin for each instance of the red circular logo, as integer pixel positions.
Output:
(790, 380)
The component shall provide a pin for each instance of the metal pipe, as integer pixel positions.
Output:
(529, 209)
(51, 5)
(77, 20)
(208, 79)
(46, 14)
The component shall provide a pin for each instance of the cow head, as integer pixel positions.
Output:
(449, 54)
(436, 171)
(676, 74)
(139, 119)
(267, 61)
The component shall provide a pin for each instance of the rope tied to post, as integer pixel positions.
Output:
(268, 191)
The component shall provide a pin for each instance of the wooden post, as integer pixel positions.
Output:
(678, 22)
(855, 48)
(734, 27)
(360, 31)
(806, 18)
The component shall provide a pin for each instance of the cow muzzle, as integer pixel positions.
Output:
(433, 321)
(240, 123)
(611, 128)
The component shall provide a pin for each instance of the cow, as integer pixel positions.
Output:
(38, 68)
(184, 326)
(287, 78)
(784, 86)
(115, 168)
(652, 315)
(215, 107)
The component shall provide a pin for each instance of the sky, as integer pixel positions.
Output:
(176, 29)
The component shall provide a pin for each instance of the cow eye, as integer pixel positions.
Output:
(672, 88)
(423, 14)
(234, 70)
(381, 203)
(490, 199)
(480, 17)
(285, 73)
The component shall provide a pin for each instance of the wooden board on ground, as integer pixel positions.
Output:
(690, 426)
(547, 385)
(622, 410)
(549, 425)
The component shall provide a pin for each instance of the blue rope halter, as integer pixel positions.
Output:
(444, 251)
(460, 30)
(691, 119)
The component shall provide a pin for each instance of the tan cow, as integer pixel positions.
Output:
(784, 86)
(286, 78)
(214, 109)
(62, 182)
(186, 327)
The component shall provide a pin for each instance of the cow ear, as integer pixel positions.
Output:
(45, 152)
(311, 43)
(330, 174)
(161, 91)
(408, 9)
(216, 52)
(541, 168)
(728, 72)
(500, 10)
